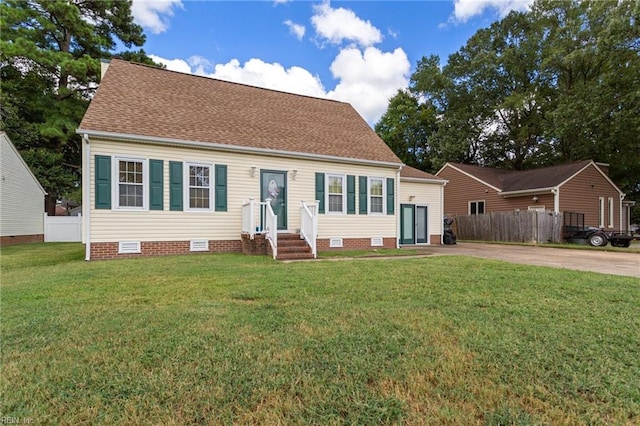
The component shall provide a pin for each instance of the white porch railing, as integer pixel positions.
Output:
(309, 224)
(259, 218)
(250, 224)
(271, 227)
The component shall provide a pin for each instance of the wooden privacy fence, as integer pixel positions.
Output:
(514, 227)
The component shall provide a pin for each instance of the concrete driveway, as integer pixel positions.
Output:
(615, 263)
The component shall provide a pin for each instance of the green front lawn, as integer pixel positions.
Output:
(238, 339)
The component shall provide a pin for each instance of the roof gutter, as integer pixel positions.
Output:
(425, 180)
(549, 190)
(232, 148)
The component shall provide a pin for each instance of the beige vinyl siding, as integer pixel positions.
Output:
(21, 197)
(166, 225)
(581, 194)
(426, 194)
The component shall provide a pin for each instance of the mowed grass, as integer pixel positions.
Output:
(232, 339)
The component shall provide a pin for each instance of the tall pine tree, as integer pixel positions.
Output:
(50, 54)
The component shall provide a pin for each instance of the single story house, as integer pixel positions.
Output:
(21, 198)
(177, 163)
(581, 187)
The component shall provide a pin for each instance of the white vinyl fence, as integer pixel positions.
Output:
(62, 228)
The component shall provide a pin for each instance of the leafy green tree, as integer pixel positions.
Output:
(555, 84)
(406, 128)
(489, 95)
(50, 54)
(592, 58)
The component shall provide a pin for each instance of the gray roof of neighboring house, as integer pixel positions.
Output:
(522, 180)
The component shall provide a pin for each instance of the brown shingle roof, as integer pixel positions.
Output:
(520, 180)
(546, 177)
(412, 172)
(141, 100)
(485, 174)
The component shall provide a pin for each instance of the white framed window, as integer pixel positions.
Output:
(536, 208)
(199, 187)
(476, 207)
(601, 212)
(336, 199)
(376, 195)
(130, 186)
(610, 200)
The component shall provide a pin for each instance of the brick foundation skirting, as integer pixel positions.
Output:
(101, 251)
(257, 245)
(355, 244)
(21, 239)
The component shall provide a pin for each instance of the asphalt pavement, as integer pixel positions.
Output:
(604, 262)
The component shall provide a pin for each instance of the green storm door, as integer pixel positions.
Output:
(407, 224)
(273, 185)
(422, 221)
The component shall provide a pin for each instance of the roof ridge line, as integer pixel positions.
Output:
(151, 67)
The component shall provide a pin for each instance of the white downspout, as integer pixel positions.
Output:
(620, 228)
(397, 202)
(86, 191)
(442, 212)
(556, 199)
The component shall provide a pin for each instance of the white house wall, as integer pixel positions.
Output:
(152, 225)
(425, 194)
(21, 197)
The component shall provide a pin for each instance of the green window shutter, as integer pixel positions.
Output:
(103, 181)
(175, 185)
(390, 195)
(363, 194)
(351, 194)
(156, 185)
(221, 187)
(320, 191)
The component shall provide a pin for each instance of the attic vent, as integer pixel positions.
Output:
(127, 247)
(376, 242)
(199, 245)
(335, 242)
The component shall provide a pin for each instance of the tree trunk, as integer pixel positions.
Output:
(50, 205)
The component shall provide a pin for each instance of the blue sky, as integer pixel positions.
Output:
(359, 52)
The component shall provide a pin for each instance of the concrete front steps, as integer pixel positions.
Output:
(291, 247)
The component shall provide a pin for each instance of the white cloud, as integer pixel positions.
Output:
(200, 65)
(154, 14)
(179, 65)
(271, 76)
(467, 9)
(295, 29)
(338, 25)
(369, 80)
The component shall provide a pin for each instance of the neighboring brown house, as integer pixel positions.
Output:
(582, 187)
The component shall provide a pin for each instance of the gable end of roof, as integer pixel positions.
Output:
(469, 175)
